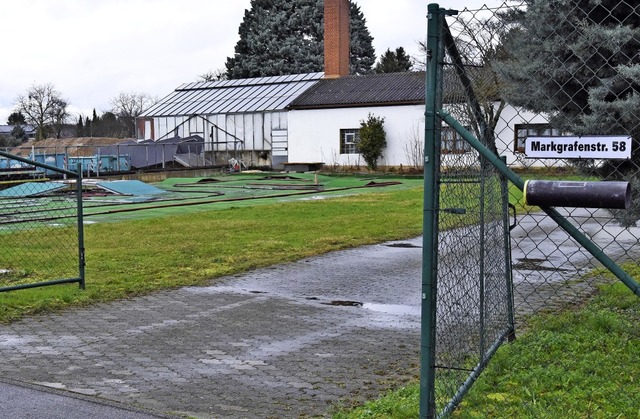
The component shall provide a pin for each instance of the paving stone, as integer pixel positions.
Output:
(271, 343)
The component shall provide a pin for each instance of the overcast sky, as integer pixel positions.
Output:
(92, 50)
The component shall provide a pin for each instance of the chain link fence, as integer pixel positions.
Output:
(548, 70)
(474, 302)
(41, 236)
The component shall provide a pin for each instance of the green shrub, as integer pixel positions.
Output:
(372, 141)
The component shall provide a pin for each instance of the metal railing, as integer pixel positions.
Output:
(97, 160)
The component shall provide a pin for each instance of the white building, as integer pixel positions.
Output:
(324, 121)
(269, 121)
(315, 118)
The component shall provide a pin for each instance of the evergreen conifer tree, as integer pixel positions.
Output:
(79, 127)
(287, 37)
(394, 62)
(16, 118)
(18, 134)
(96, 125)
(88, 127)
(577, 61)
(362, 53)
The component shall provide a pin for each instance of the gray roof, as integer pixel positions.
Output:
(6, 129)
(234, 96)
(370, 90)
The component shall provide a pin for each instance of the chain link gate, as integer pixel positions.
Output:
(41, 226)
(484, 99)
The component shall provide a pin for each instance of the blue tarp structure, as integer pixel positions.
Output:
(32, 189)
(129, 187)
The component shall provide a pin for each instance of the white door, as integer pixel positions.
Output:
(279, 143)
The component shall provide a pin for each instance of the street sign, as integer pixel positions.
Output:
(585, 147)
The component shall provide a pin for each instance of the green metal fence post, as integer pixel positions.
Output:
(429, 244)
(482, 255)
(81, 261)
(504, 185)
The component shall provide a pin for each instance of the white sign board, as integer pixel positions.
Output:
(596, 147)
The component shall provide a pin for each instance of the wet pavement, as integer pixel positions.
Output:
(294, 340)
(549, 265)
(288, 341)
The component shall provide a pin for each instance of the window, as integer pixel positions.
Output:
(522, 131)
(348, 140)
(452, 142)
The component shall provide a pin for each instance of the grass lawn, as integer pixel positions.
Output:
(580, 363)
(167, 248)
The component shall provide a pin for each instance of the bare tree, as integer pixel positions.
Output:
(478, 43)
(128, 106)
(474, 91)
(420, 61)
(414, 147)
(214, 75)
(43, 107)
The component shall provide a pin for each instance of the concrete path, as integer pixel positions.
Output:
(289, 341)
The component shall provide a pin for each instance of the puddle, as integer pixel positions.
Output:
(533, 264)
(346, 303)
(394, 309)
(397, 309)
(403, 245)
(319, 197)
(14, 340)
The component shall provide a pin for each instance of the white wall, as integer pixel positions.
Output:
(505, 134)
(314, 135)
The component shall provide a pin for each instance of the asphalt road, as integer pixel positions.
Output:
(28, 401)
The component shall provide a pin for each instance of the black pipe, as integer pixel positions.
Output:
(611, 194)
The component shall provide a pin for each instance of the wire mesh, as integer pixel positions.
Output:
(556, 69)
(473, 297)
(535, 68)
(39, 231)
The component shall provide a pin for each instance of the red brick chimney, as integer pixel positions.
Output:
(336, 38)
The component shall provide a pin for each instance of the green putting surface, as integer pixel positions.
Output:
(121, 200)
(129, 187)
